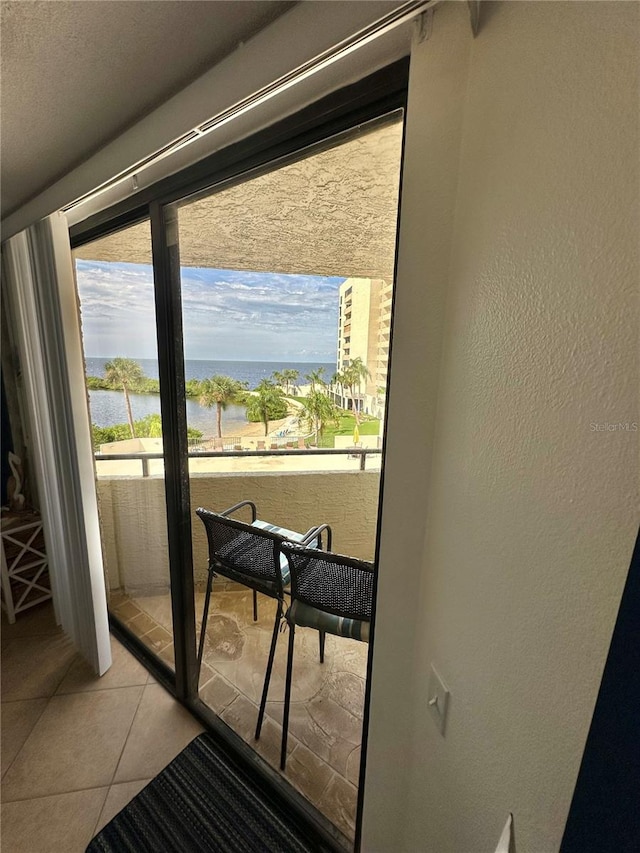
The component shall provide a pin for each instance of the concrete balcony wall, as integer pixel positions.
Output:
(133, 517)
(134, 532)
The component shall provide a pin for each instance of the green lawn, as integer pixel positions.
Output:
(368, 426)
(347, 422)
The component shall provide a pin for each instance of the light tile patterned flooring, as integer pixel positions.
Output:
(76, 748)
(325, 723)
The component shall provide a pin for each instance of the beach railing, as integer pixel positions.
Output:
(233, 443)
(226, 443)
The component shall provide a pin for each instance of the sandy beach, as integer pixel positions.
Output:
(256, 430)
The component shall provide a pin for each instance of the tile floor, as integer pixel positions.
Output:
(325, 723)
(75, 748)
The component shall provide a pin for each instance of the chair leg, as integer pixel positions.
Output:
(255, 606)
(321, 636)
(205, 616)
(287, 698)
(267, 677)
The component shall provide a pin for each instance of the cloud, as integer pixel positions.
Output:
(227, 314)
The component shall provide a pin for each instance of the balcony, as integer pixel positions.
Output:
(293, 488)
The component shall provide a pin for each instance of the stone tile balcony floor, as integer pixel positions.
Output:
(325, 725)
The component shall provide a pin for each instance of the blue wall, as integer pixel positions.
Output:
(605, 812)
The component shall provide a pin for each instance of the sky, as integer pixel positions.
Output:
(227, 314)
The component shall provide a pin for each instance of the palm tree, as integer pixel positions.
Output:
(219, 391)
(290, 377)
(192, 388)
(278, 378)
(352, 376)
(318, 411)
(128, 373)
(266, 402)
(337, 381)
(315, 378)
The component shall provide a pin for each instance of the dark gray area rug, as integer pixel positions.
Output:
(204, 801)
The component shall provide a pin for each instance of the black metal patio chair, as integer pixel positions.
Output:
(250, 554)
(329, 592)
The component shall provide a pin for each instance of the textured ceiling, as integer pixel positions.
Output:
(333, 213)
(76, 74)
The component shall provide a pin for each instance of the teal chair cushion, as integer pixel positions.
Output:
(307, 616)
(292, 536)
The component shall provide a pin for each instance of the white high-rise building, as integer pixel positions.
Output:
(363, 332)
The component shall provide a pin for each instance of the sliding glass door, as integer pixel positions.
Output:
(116, 291)
(237, 328)
(286, 281)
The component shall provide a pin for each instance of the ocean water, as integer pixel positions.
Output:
(108, 407)
(251, 372)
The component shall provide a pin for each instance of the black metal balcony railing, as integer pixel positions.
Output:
(144, 458)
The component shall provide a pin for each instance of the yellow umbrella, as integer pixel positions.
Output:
(356, 434)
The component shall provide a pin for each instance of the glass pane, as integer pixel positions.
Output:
(115, 286)
(287, 282)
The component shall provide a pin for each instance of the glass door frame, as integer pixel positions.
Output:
(338, 114)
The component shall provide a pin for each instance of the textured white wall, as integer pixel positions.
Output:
(530, 512)
(133, 516)
(426, 226)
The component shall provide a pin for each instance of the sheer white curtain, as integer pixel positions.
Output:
(42, 312)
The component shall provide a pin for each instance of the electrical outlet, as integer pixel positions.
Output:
(438, 700)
